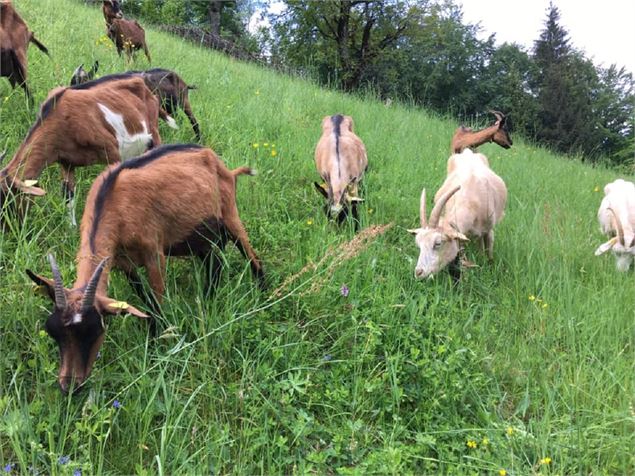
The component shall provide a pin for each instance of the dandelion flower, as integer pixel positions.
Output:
(546, 460)
(344, 290)
(502, 472)
(273, 153)
(471, 444)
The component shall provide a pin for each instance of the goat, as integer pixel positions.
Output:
(176, 200)
(340, 159)
(617, 220)
(169, 87)
(14, 41)
(103, 121)
(498, 132)
(473, 198)
(127, 35)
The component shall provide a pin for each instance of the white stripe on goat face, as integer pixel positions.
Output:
(130, 145)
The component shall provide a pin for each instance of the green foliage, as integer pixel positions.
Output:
(526, 365)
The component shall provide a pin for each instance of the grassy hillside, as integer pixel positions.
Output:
(527, 366)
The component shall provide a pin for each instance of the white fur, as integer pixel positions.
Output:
(130, 145)
(171, 122)
(619, 196)
(77, 318)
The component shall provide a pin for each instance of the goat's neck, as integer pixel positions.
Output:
(474, 138)
(86, 265)
(30, 160)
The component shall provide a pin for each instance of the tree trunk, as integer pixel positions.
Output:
(214, 11)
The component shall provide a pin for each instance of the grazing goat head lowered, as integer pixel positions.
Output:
(175, 200)
(617, 220)
(14, 41)
(127, 35)
(472, 200)
(103, 121)
(168, 86)
(467, 138)
(340, 159)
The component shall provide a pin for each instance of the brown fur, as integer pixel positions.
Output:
(127, 35)
(75, 133)
(465, 137)
(14, 41)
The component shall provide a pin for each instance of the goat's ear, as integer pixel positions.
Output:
(321, 190)
(414, 231)
(27, 187)
(604, 247)
(457, 235)
(45, 284)
(111, 306)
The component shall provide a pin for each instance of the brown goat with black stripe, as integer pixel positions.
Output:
(14, 41)
(177, 200)
(127, 35)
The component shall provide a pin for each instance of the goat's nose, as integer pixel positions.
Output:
(419, 272)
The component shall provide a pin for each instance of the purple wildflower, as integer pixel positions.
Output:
(8, 468)
(63, 459)
(344, 290)
(77, 472)
(116, 404)
(327, 358)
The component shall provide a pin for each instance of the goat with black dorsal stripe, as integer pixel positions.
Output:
(127, 35)
(14, 41)
(103, 121)
(176, 200)
(340, 159)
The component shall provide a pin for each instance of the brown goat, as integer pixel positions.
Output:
(127, 35)
(14, 41)
(103, 121)
(498, 132)
(340, 159)
(169, 87)
(177, 200)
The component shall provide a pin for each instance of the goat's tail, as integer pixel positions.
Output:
(40, 46)
(243, 171)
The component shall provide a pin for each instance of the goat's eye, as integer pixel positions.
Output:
(437, 244)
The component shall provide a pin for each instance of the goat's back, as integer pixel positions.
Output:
(620, 197)
(128, 30)
(161, 198)
(14, 33)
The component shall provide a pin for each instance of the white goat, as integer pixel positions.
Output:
(474, 199)
(617, 220)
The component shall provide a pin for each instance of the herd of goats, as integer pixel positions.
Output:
(155, 200)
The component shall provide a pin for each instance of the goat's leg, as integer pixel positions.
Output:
(148, 299)
(155, 266)
(239, 235)
(147, 52)
(68, 190)
(190, 115)
(488, 244)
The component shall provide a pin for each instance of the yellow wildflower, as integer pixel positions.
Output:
(42, 333)
(257, 92)
(266, 144)
(545, 460)
(273, 153)
(370, 211)
(309, 222)
(273, 145)
(510, 431)
(471, 444)
(502, 472)
(596, 189)
(545, 305)
(532, 297)
(485, 441)
(255, 145)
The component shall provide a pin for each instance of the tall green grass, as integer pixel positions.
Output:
(525, 366)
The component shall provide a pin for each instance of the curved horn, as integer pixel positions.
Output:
(499, 115)
(422, 209)
(60, 295)
(620, 229)
(438, 207)
(91, 287)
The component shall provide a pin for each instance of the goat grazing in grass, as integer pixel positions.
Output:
(617, 220)
(177, 200)
(102, 121)
(498, 132)
(169, 87)
(127, 35)
(14, 41)
(340, 158)
(473, 199)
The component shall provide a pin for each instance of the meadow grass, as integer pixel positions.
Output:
(525, 366)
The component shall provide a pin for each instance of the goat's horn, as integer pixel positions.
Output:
(435, 214)
(60, 295)
(91, 287)
(422, 209)
(620, 230)
(499, 115)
